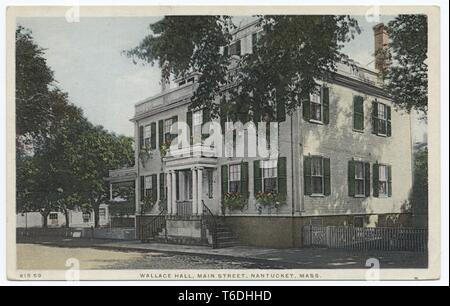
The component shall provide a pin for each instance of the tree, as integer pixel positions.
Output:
(100, 152)
(33, 81)
(407, 77)
(292, 53)
(419, 197)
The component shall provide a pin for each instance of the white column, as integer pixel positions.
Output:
(169, 193)
(110, 191)
(200, 191)
(174, 193)
(194, 191)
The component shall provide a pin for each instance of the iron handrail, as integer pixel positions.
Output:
(211, 223)
(154, 226)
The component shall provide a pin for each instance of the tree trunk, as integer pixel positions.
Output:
(66, 214)
(96, 208)
(44, 219)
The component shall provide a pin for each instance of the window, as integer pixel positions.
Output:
(317, 175)
(86, 217)
(147, 135)
(197, 120)
(234, 179)
(316, 108)
(210, 178)
(383, 180)
(235, 48)
(53, 218)
(382, 119)
(359, 179)
(358, 222)
(148, 185)
(167, 126)
(102, 213)
(269, 176)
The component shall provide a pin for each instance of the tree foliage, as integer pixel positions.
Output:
(69, 156)
(292, 53)
(407, 76)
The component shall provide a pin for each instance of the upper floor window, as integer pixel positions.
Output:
(147, 135)
(234, 179)
(316, 108)
(167, 126)
(381, 119)
(233, 49)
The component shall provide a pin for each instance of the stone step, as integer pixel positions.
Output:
(226, 244)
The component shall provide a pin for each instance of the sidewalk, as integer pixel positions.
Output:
(307, 258)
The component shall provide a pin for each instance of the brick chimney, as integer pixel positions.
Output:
(381, 39)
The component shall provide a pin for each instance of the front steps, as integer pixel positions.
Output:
(225, 237)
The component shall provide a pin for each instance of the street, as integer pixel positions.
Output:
(97, 254)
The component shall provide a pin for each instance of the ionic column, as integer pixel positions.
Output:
(169, 193)
(194, 191)
(174, 193)
(199, 191)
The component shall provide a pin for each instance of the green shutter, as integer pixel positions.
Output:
(257, 178)
(189, 124)
(351, 178)
(162, 186)
(141, 137)
(161, 132)
(375, 117)
(281, 111)
(142, 190)
(326, 176)
(367, 179)
(389, 168)
(375, 177)
(224, 180)
(358, 113)
(326, 104)
(282, 178)
(307, 175)
(306, 109)
(153, 135)
(154, 187)
(389, 126)
(206, 118)
(244, 179)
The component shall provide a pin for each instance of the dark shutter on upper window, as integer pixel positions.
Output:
(257, 177)
(153, 136)
(206, 118)
(282, 178)
(358, 113)
(189, 124)
(142, 188)
(326, 176)
(351, 178)
(375, 117)
(367, 179)
(306, 109)
(161, 132)
(244, 179)
(154, 187)
(388, 116)
(389, 178)
(162, 186)
(141, 137)
(307, 175)
(376, 183)
(224, 180)
(326, 104)
(281, 111)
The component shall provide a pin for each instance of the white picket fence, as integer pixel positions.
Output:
(356, 238)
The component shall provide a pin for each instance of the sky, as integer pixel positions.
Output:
(88, 63)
